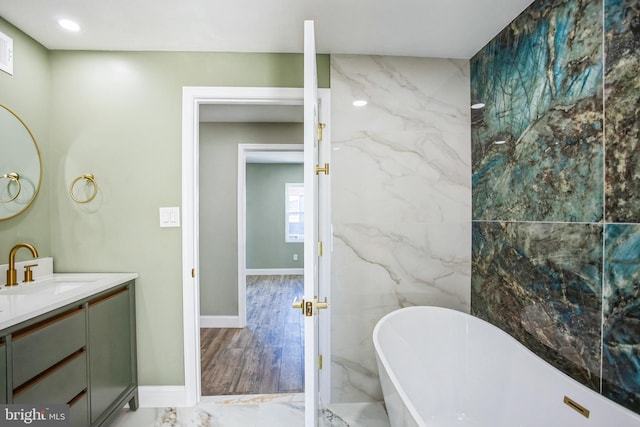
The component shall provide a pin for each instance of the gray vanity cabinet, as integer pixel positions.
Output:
(112, 370)
(3, 371)
(83, 355)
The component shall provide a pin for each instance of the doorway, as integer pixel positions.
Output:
(263, 352)
(193, 99)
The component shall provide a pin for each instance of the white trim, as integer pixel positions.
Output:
(163, 396)
(192, 98)
(220, 322)
(190, 285)
(241, 215)
(274, 271)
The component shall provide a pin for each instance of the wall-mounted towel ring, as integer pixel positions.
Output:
(89, 178)
(12, 177)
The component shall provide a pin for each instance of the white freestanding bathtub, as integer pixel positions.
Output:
(440, 367)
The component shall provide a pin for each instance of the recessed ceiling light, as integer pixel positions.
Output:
(477, 105)
(359, 103)
(69, 25)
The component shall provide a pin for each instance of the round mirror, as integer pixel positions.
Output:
(20, 165)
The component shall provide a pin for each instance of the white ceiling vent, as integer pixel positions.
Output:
(6, 53)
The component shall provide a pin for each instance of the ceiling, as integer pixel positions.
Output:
(427, 28)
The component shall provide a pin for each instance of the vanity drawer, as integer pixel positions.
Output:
(58, 385)
(79, 411)
(40, 346)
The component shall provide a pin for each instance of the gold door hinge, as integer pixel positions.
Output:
(324, 170)
(320, 127)
(319, 248)
(319, 361)
(193, 273)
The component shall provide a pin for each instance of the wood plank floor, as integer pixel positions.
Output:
(265, 357)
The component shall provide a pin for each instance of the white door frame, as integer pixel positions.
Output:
(192, 98)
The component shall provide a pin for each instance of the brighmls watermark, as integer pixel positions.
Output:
(34, 415)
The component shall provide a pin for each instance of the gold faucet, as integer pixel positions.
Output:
(11, 273)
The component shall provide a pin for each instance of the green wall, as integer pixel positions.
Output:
(28, 94)
(118, 115)
(266, 247)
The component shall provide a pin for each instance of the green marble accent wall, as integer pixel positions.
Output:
(541, 81)
(542, 283)
(621, 314)
(556, 207)
(622, 91)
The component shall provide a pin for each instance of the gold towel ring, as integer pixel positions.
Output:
(90, 178)
(12, 177)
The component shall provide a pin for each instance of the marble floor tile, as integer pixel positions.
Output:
(285, 410)
(368, 414)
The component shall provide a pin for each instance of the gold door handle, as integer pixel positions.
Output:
(321, 305)
(298, 304)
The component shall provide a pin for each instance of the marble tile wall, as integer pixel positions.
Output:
(401, 201)
(556, 239)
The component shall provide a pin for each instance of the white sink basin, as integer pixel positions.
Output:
(50, 286)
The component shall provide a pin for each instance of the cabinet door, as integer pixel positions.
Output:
(110, 352)
(3, 371)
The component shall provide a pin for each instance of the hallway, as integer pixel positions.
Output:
(267, 356)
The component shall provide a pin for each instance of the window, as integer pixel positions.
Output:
(294, 212)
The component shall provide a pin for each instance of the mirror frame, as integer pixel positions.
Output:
(35, 144)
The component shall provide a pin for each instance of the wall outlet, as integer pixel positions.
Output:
(295, 257)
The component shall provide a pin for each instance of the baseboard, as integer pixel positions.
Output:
(274, 271)
(220, 322)
(163, 396)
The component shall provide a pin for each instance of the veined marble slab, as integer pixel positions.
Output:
(253, 411)
(401, 201)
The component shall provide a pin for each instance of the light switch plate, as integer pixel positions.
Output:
(170, 217)
(6, 53)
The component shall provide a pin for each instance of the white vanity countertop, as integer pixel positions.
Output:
(28, 300)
